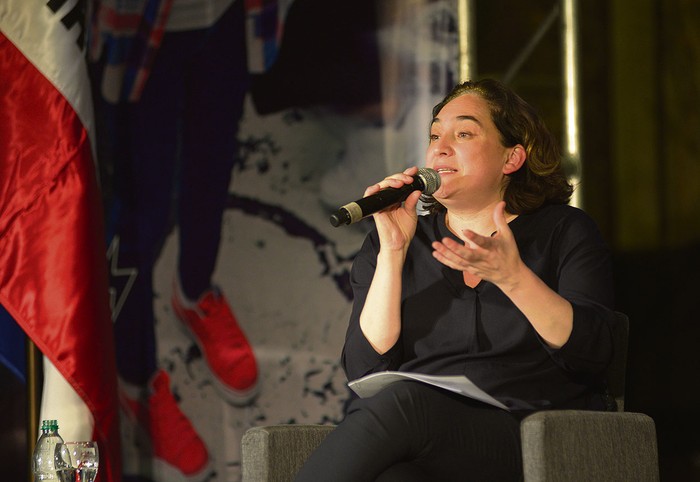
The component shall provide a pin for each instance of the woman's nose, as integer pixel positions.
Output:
(441, 146)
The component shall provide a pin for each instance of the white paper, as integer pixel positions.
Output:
(371, 384)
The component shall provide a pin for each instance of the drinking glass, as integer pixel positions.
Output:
(76, 461)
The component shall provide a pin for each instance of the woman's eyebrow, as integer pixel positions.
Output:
(469, 117)
(460, 118)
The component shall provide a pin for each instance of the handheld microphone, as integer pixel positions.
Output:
(426, 180)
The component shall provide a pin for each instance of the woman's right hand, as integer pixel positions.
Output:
(380, 319)
(396, 225)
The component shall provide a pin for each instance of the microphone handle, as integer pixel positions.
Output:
(354, 211)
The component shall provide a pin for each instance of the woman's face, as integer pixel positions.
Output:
(465, 149)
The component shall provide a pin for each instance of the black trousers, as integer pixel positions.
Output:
(414, 432)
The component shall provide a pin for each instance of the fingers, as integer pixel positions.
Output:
(453, 254)
(446, 256)
(476, 240)
(394, 181)
(466, 257)
(493, 258)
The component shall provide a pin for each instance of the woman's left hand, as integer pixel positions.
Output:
(492, 258)
(497, 259)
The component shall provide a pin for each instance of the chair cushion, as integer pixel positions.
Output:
(276, 453)
(576, 445)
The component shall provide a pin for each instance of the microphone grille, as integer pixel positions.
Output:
(430, 178)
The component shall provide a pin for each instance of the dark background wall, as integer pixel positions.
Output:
(640, 93)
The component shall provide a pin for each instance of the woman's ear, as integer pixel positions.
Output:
(516, 159)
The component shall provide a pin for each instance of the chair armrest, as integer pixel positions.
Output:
(275, 453)
(575, 445)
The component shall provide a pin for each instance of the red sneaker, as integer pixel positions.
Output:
(179, 454)
(227, 353)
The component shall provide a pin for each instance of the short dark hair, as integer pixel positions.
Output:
(541, 179)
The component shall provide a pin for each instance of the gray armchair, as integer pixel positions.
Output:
(557, 445)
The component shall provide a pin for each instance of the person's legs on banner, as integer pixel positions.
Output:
(145, 220)
(217, 83)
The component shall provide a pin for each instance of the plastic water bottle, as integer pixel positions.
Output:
(42, 460)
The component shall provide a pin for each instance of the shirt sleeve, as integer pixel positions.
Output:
(584, 277)
(359, 358)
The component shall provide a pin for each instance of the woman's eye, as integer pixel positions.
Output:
(434, 137)
(464, 134)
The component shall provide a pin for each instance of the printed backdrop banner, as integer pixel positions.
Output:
(343, 104)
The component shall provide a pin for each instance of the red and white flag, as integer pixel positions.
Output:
(53, 268)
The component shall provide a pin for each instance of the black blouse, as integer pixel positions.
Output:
(449, 328)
